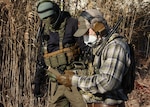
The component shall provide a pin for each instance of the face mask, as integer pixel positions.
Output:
(90, 40)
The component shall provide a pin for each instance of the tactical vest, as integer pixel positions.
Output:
(63, 56)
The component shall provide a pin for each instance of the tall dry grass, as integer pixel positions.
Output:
(18, 50)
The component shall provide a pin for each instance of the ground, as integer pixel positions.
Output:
(140, 96)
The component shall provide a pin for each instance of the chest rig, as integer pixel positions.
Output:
(65, 55)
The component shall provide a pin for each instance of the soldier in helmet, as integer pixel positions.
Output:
(61, 51)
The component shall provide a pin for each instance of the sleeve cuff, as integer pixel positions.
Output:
(75, 79)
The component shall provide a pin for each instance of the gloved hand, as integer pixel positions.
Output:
(66, 78)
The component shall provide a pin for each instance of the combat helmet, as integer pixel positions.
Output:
(47, 8)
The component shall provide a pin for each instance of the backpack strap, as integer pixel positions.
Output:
(101, 47)
(99, 50)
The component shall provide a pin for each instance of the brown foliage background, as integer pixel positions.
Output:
(18, 49)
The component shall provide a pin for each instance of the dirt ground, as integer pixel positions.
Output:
(140, 96)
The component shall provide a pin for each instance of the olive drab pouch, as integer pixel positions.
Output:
(53, 61)
(61, 57)
(56, 60)
(47, 61)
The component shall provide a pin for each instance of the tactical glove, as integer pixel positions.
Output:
(66, 79)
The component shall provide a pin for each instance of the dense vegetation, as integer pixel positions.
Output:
(18, 47)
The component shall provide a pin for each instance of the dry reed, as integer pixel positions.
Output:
(18, 50)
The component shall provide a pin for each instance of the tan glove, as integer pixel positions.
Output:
(66, 78)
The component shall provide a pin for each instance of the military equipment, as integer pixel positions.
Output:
(61, 57)
(108, 36)
(53, 71)
(40, 74)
